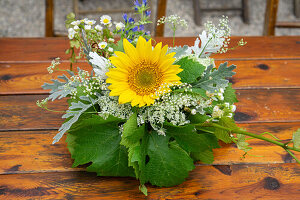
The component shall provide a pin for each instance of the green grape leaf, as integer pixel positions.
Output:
(206, 156)
(131, 136)
(223, 134)
(229, 94)
(198, 118)
(214, 79)
(191, 141)
(191, 70)
(168, 164)
(296, 139)
(97, 140)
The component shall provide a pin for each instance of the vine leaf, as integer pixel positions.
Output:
(73, 113)
(191, 70)
(215, 79)
(168, 164)
(97, 140)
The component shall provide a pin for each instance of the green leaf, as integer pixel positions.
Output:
(97, 140)
(197, 91)
(168, 164)
(242, 144)
(188, 138)
(214, 79)
(223, 134)
(143, 189)
(206, 156)
(191, 70)
(296, 139)
(229, 94)
(131, 136)
(198, 118)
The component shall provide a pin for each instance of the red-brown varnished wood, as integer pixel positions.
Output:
(38, 49)
(32, 151)
(22, 78)
(268, 90)
(274, 181)
(257, 105)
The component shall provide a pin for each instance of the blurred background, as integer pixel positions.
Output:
(26, 18)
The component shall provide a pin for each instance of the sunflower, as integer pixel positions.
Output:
(142, 72)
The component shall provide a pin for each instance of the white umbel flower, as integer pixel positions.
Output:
(87, 27)
(100, 64)
(105, 20)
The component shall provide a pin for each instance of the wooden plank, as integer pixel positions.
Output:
(276, 181)
(32, 151)
(27, 78)
(269, 105)
(41, 49)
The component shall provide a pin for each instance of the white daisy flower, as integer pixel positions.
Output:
(105, 20)
(102, 45)
(71, 33)
(89, 22)
(75, 23)
(76, 28)
(98, 27)
(100, 64)
(111, 39)
(119, 25)
(87, 27)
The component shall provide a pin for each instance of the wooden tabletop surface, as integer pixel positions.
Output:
(268, 90)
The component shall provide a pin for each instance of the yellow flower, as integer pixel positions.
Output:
(142, 73)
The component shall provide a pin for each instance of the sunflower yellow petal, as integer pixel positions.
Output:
(131, 51)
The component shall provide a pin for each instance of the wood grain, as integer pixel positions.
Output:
(27, 78)
(32, 151)
(41, 49)
(275, 181)
(267, 105)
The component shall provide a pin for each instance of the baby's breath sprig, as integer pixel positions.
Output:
(174, 21)
(53, 67)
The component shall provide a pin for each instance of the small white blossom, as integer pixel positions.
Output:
(76, 28)
(102, 45)
(87, 27)
(217, 112)
(233, 108)
(119, 25)
(110, 49)
(111, 39)
(98, 27)
(193, 112)
(105, 20)
(71, 33)
(89, 22)
(75, 23)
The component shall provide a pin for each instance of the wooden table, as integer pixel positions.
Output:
(268, 90)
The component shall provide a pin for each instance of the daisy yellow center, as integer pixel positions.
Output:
(105, 21)
(144, 78)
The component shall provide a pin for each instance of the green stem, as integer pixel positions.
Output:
(293, 155)
(284, 146)
(174, 30)
(205, 46)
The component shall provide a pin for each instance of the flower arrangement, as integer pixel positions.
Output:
(147, 110)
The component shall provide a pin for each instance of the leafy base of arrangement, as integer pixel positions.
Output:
(147, 111)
